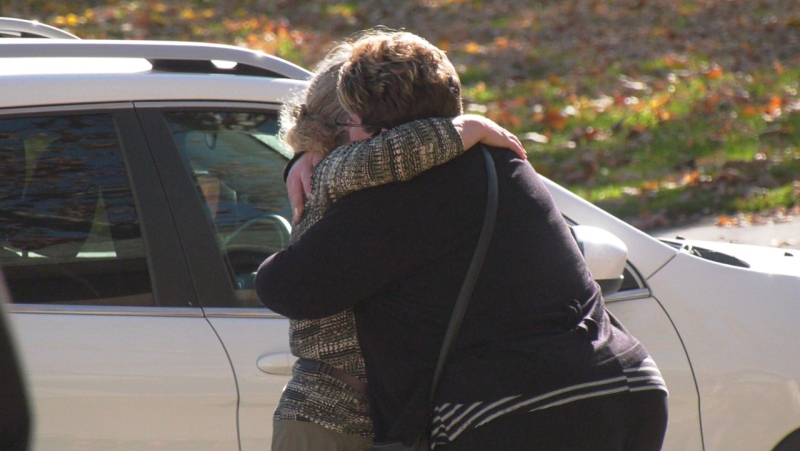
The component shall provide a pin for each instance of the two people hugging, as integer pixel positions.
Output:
(389, 197)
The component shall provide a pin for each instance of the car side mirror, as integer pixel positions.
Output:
(605, 256)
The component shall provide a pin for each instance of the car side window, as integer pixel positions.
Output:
(237, 162)
(69, 229)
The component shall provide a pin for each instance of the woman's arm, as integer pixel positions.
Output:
(404, 152)
(395, 155)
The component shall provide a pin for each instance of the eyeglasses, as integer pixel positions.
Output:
(350, 124)
(344, 121)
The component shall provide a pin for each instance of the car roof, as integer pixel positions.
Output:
(21, 28)
(21, 92)
(162, 55)
(63, 71)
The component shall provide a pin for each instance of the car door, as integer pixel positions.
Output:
(117, 352)
(229, 157)
(642, 314)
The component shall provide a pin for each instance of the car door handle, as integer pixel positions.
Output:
(280, 364)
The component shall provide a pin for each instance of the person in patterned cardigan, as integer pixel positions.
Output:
(324, 406)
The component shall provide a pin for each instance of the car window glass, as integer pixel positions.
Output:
(237, 163)
(68, 223)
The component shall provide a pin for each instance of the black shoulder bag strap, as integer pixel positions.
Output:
(461, 303)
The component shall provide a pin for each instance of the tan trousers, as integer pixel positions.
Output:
(289, 435)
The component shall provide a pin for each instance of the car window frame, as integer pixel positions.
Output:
(214, 288)
(169, 276)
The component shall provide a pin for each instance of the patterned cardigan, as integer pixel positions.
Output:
(396, 155)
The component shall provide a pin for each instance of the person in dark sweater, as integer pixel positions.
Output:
(539, 363)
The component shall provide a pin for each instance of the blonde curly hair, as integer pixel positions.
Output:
(308, 121)
(394, 77)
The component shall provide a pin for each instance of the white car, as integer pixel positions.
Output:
(142, 186)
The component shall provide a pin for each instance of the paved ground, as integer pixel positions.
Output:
(784, 235)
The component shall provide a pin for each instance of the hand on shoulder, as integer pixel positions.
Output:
(476, 129)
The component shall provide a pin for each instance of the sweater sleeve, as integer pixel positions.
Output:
(396, 155)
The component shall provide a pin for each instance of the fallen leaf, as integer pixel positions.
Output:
(473, 48)
(714, 73)
(725, 221)
(690, 178)
(650, 186)
(774, 105)
(555, 118)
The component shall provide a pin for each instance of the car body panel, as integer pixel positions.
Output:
(742, 344)
(248, 336)
(769, 260)
(104, 380)
(647, 321)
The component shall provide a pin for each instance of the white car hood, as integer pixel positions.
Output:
(764, 259)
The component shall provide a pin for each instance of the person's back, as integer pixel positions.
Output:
(532, 292)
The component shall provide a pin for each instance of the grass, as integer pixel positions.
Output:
(679, 140)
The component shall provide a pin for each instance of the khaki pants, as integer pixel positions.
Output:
(289, 435)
